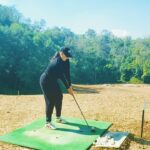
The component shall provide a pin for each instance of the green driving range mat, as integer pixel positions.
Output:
(70, 136)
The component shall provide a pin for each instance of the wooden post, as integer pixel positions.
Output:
(143, 113)
(142, 123)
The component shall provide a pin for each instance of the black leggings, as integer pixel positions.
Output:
(53, 97)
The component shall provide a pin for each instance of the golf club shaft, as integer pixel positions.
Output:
(77, 104)
(81, 111)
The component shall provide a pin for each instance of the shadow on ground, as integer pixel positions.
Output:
(83, 129)
(139, 140)
(83, 89)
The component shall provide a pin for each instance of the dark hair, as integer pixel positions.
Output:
(55, 56)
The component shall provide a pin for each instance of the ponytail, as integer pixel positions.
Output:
(55, 56)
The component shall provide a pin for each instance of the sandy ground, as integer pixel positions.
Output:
(120, 104)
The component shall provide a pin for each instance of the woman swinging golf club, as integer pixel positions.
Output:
(58, 68)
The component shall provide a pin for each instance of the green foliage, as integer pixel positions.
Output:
(135, 80)
(9, 15)
(26, 49)
(146, 72)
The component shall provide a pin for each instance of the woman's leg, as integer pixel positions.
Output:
(58, 105)
(49, 103)
(49, 108)
(58, 100)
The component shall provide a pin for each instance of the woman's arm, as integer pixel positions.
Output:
(67, 71)
(66, 77)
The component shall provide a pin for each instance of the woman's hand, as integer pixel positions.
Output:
(70, 91)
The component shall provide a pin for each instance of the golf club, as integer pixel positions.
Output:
(92, 129)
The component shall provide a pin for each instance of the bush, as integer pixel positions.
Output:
(146, 79)
(135, 80)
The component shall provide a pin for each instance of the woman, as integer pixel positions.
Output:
(58, 68)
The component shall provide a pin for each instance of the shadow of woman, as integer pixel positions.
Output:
(82, 129)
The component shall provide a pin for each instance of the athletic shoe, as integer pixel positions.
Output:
(60, 120)
(49, 125)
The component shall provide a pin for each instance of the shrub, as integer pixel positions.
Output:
(135, 80)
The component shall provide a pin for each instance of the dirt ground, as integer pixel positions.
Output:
(120, 104)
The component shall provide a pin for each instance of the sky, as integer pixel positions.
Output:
(121, 17)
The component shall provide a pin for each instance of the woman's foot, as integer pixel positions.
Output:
(49, 125)
(60, 120)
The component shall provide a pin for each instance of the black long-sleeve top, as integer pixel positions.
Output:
(58, 69)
